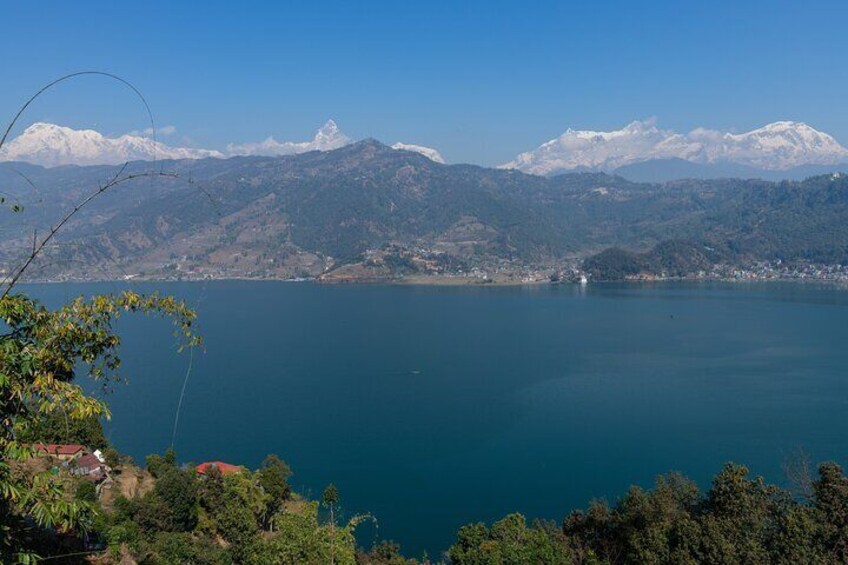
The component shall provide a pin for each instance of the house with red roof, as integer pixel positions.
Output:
(90, 467)
(65, 452)
(224, 468)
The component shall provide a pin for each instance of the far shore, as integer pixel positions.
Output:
(448, 281)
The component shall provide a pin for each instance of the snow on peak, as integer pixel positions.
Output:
(330, 129)
(428, 152)
(51, 145)
(591, 149)
(776, 146)
(326, 138)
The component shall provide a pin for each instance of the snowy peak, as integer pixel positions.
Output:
(428, 152)
(52, 145)
(328, 131)
(777, 146)
(587, 149)
(781, 145)
(328, 137)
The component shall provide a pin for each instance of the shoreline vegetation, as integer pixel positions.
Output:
(165, 512)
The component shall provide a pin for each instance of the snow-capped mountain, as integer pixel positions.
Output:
(428, 152)
(51, 145)
(777, 146)
(327, 138)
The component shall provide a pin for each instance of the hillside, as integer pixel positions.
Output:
(394, 213)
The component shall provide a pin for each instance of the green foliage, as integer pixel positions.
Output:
(273, 477)
(383, 553)
(739, 520)
(40, 354)
(213, 518)
(509, 542)
(300, 539)
(173, 548)
(237, 519)
(58, 428)
(158, 464)
(330, 498)
(672, 258)
(177, 490)
(86, 491)
(615, 264)
(331, 495)
(831, 500)
(112, 457)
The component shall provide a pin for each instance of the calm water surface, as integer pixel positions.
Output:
(432, 407)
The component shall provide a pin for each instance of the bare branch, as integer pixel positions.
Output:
(79, 74)
(799, 473)
(38, 247)
(116, 180)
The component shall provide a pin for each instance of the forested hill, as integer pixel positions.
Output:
(369, 205)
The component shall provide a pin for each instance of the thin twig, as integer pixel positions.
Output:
(78, 74)
(116, 180)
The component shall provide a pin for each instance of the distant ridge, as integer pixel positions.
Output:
(366, 211)
(664, 170)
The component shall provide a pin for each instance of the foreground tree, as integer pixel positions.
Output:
(59, 428)
(273, 477)
(509, 542)
(330, 498)
(40, 354)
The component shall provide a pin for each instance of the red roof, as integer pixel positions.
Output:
(225, 468)
(60, 449)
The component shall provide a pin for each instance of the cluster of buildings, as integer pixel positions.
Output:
(91, 465)
(77, 460)
(778, 270)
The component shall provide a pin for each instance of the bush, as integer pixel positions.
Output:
(177, 490)
(86, 491)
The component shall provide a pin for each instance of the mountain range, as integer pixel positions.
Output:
(640, 151)
(367, 211)
(52, 145)
(777, 147)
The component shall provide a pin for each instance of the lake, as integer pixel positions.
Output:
(430, 407)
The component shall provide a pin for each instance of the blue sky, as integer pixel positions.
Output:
(480, 81)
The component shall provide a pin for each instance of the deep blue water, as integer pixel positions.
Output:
(432, 407)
